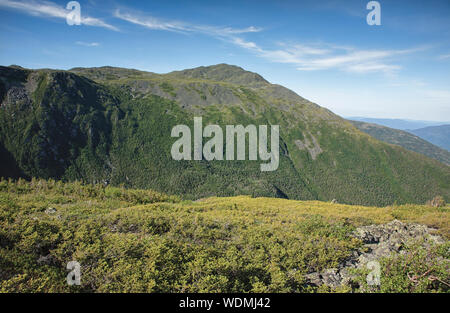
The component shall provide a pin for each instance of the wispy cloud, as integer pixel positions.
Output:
(444, 56)
(360, 61)
(50, 9)
(326, 56)
(305, 57)
(155, 23)
(443, 95)
(408, 83)
(87, 44)
(151, 22)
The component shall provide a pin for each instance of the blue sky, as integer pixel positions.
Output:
(323, 50)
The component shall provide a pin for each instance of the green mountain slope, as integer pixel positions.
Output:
(113, 125)
(404, 139)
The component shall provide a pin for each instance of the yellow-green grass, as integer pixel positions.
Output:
(142, 241)
(294, 210)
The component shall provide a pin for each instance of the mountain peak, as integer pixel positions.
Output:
(219, 73)
(223, 73)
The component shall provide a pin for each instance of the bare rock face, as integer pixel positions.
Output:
(313, 146)
(331, 277)
(379, 241)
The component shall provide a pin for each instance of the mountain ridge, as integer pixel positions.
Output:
(113, 125)
(397, 123)
(404, 139)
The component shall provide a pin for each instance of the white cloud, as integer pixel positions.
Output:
(355, 61)
(92, 21)
(87, 44)
(327, 56)
(373, 67)
(305, 57)
(251, 29)
(151, 22)
(444, 56)
(155, 23)
(443, 95)
(50, 9)
(246, 44)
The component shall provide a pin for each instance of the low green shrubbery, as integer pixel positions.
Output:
(143, 241)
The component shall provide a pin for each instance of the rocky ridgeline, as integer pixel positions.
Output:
(379, 241)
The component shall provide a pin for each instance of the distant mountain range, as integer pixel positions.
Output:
(404, 139)
(438, 135)
(113, 125)
(402, 124)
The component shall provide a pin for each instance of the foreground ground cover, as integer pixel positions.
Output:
(142, 241)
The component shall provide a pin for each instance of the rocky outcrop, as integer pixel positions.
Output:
(379, 241)
(312, 146)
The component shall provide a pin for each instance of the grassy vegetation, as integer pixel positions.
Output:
(129, 240)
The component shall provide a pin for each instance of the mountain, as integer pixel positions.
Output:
(401, 124)
(438, 135)
(404, 139)
(113, 125)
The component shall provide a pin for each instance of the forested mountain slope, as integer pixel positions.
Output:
(113, 125)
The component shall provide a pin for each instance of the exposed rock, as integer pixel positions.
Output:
(346, 276)
(314, 278)
(312, 146)
(331, 277)
(379, 241)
